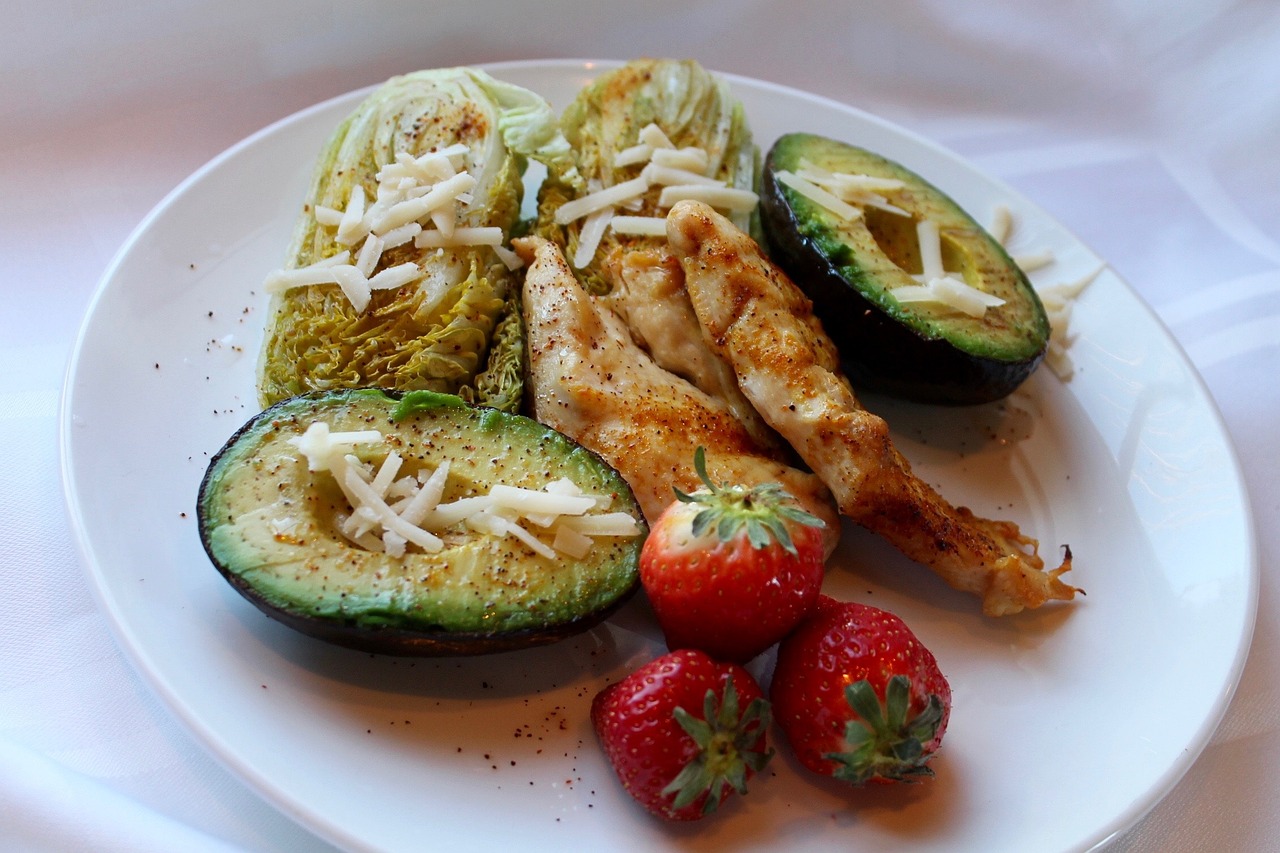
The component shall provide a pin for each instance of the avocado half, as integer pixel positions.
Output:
(270, 526)
(849, 268)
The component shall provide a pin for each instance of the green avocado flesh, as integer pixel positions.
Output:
(271, 527)
(850, 268)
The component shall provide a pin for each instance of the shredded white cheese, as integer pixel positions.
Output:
(590, 235)
(530, 501)
(389, 512)
(1001, 224)
(950, 292)
(641, 226)
(665, 176)
(571, 542)
(490, 235)
(415, 207)
(847, 196)
(838, 190)
(654, 137)
(602, 524)
(370, 251)
(1033, 261)
(417, 200)
(327, 216)
(689, 159)
(682, 174)
(600, 199)
(352, 227)
(817, 195)
(724, 198)
(322, 447)
(930, 241)
(399, 236)
(393, 277)
(1057, 299)
(633, 156)
(939, 287)
(509, 259)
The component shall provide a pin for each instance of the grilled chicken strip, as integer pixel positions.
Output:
(589, 380)
(763, 325)
(648, 294)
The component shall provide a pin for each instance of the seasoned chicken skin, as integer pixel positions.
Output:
(763, 325)
(589, 380)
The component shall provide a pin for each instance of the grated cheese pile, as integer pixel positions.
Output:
(846, 195)
(1058, 299)
(681, 174)
(389, 512)
(417, 200)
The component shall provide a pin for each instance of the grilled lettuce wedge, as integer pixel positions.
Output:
(613, 127)
(436, 309)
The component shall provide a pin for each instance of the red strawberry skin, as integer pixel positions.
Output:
(728, 598)
(842, 643)
(636, 722)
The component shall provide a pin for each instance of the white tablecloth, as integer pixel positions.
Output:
(1148, 128)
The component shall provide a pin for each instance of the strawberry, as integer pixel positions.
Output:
(683, 732)
(858, 696)
(731, 570)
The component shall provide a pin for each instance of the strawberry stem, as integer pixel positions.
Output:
(727, 747)
(760, 511)
(882, 741)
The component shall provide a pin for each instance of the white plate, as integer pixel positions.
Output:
(1069, 723)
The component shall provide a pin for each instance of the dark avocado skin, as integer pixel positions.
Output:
(397, 627)
(880, 352)
(400, 642)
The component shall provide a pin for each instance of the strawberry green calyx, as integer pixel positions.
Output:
(882, 742)
(762, 511)
(727, 748)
